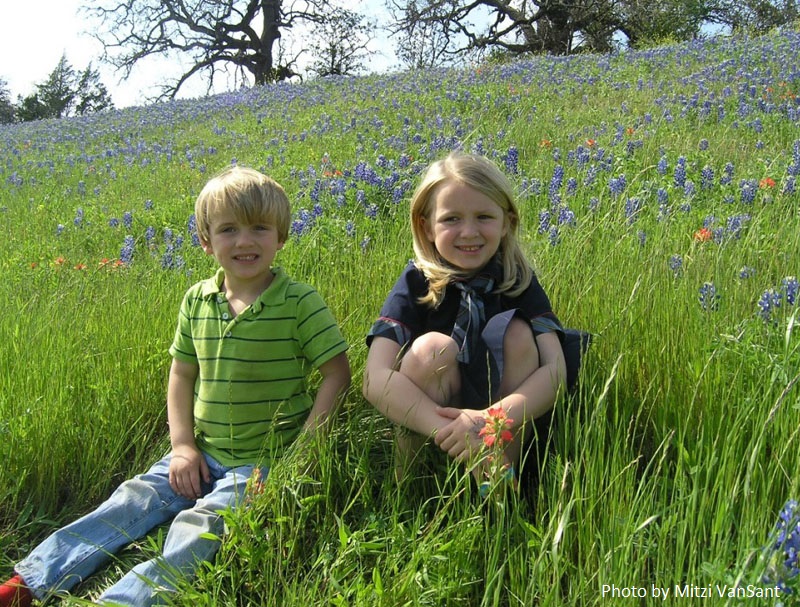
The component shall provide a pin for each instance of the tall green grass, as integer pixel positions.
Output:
(668, 466)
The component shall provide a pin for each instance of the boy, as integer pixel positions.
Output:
(236, 399)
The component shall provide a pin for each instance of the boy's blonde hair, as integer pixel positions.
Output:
(251, 195)
(482, 175)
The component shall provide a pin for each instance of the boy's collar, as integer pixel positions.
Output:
(274, 294)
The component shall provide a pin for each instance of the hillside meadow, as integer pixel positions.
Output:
(660, 208)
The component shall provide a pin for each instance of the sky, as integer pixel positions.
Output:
(28, 54)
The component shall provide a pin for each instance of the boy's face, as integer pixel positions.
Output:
(245, 251)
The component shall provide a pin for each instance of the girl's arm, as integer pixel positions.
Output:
(394, 394)
(335, 381)
(534, 397)
(187, 466)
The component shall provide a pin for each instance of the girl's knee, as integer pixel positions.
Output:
(429, 353)
(431, 364)
(519, 344)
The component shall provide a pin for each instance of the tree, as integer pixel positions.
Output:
(753, 15)
(57, 93)
(91, 94)
(558, 27)
(64, 93)
(339, 44)
(421, 43)
(210, 35)
(8, 113)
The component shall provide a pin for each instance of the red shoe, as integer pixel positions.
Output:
(14, 593)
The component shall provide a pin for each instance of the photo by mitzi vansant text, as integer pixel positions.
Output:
(678, 591)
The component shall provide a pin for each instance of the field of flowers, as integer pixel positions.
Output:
(660, 207)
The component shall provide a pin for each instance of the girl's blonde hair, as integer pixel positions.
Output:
(482, 175)
(251, 195)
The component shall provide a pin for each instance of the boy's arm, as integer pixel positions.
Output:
(335, 381)
(188, 466)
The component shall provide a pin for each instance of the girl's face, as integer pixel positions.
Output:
(465, 226)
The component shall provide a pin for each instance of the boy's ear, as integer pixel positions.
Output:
(206, 246)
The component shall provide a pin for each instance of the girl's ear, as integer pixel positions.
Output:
(426, 229)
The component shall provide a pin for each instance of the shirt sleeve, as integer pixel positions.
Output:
(319, 334)
(400, 318)
(182, 347)
(535, 305)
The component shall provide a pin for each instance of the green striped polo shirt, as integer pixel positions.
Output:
(251, 398)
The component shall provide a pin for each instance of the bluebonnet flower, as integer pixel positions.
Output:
(572, 186)
(191, 228)
(617, 185)
(512, 160)
(679, 175)
(372, 211)
(747, 190)
(82, 188)
(350, 229)
(661, 167)
(688, 188)
(364, 243)
(544, 221)
(113, 222)
(727, 174)
(126, 253)
(703, 145)
(708, 296)
(676, 264)
(168, 235)
(736, 224)
(784, 548)
(149, 234)
(789, 185)
(78, 221)
(789, 286)
(361, 196)
(566, 216)
(59, 229)
(632, 208)
(594, 203)
(555, 182)
(591, 175)
(768, 302)
(707, 178)
(127, 219)
(747, 272)
(148, 205)
(554, 236)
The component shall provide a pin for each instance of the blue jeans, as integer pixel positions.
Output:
(140, 504)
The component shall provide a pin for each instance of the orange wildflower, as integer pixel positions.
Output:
(703, 235)
(766, 182)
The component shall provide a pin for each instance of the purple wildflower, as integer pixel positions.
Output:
(708, 296)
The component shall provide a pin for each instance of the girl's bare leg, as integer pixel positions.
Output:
(521, 356)
(431, 364)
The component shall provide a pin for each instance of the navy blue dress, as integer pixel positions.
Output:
(403, 319)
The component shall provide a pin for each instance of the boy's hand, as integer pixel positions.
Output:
(460, 437)
(187, 470)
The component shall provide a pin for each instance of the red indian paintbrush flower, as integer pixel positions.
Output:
(496, 429)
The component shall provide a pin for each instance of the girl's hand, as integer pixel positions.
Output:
(459, 439)
(187, 470)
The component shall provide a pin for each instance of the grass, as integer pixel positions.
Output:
(667, 469)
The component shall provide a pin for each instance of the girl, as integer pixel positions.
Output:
(467, 325)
